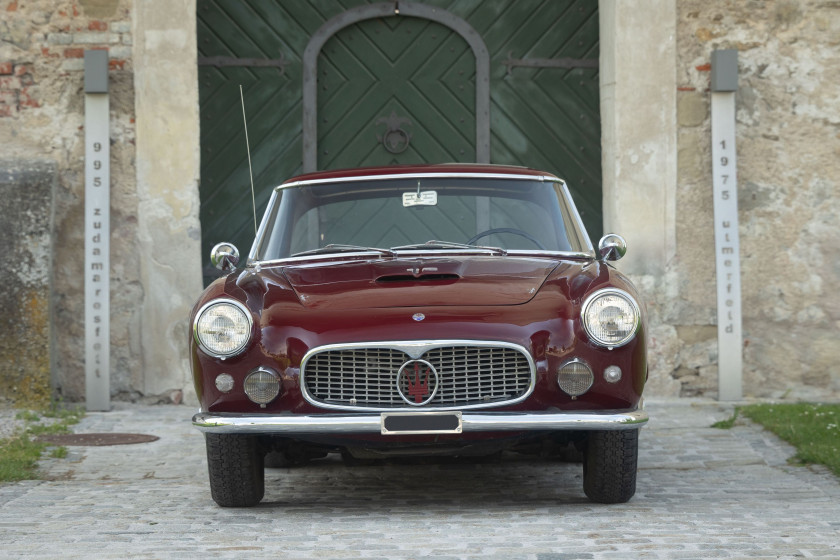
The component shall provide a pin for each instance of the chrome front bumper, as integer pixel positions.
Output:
(373, 423)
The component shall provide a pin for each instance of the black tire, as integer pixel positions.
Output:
(235, 465)
(609, 466)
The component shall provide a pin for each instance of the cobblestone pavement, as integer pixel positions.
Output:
(702, 493)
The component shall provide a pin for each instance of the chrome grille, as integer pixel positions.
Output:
(365, 377)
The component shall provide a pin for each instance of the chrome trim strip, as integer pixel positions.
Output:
(617, 292)
(573, 207)
(372, 423)
(418, 252)
(573, 254)
(386, 432)
(210, 304)
(415, 349)
(453, 175)
(260, 235)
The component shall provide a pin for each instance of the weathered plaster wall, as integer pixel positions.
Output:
(638, 128)
(26, 203)
(639, 146)
(788, 136)
(155, 260)
(167, 186)
(41, 116)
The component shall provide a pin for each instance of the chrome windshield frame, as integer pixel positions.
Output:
(261, 232)
(429, 253)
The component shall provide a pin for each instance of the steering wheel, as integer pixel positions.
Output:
(514, 231)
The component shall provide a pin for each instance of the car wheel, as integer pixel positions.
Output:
(235, 464)
(609, 466)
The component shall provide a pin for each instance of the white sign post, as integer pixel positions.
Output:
(97, 233)
(727, 244)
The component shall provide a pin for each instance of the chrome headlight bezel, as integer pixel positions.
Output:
(586, 319)
(575, 383)
(204, 344)
(261, 390)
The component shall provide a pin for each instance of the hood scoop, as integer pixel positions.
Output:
(437, 278)
(428, 281)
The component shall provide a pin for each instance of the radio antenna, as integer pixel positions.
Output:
(248, 148)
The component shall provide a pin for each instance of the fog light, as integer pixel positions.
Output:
(575, 378)
(612, 374)
(262, 386)
(224, 382)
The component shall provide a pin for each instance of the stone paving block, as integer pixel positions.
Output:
(702, 493)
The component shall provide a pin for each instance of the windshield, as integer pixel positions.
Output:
(429, 213)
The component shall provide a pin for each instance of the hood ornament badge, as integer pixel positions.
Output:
(418, 317)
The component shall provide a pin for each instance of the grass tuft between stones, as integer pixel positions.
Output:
(19, 454)
(727, 423)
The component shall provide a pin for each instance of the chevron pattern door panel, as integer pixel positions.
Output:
(395, 90)
(392, 90)
(547, 117)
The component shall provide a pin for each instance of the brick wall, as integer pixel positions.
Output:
(41, 115)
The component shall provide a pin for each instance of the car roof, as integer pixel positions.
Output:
(424, 169)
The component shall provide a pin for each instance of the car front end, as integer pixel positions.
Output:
(397, 343)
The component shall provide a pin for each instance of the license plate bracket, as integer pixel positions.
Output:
(421, 423)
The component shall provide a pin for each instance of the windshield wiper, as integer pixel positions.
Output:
(340, 248)
(435, 244)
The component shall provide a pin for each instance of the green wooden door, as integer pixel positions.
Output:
(393, 90)
(233, 40)
(544, 115)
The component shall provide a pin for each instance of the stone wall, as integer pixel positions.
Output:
(657, 174)
(788, 142)
(42, 43)
(168, 163)
(26, 195)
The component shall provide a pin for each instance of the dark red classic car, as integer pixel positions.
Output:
(441, 309)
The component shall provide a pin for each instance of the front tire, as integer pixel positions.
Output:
(609, 466)
(235, 465)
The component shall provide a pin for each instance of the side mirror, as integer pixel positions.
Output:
(224, 256)
(612, 247)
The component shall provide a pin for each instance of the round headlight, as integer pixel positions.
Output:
(610, 317)
(223, 328)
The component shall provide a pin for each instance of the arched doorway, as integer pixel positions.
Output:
(389, 84)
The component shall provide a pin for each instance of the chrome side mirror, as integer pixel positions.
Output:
(224, 256)
(612, 247)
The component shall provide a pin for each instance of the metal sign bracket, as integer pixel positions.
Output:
(97, 232)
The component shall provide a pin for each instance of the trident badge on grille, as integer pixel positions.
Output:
(417, 382)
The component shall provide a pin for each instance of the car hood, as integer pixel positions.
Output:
(413, 282)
